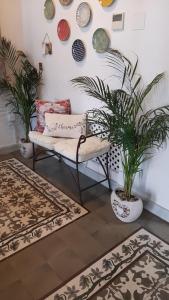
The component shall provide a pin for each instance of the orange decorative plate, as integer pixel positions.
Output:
(106, 3)
(63, 30)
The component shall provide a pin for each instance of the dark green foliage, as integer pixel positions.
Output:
(135, 131)
(20, 84)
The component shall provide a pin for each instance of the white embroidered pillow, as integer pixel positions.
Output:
(66, 126)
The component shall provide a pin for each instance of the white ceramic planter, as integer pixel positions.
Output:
(126, 211)
(26, 149)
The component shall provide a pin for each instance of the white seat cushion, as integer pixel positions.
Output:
(92, 148)
(41, 140)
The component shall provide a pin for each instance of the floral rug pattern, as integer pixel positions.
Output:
(30, 207)
(137, 269)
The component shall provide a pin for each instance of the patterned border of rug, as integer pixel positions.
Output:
(30, 208)
(137, 269)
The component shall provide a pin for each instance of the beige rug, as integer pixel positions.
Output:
(137, 269)
(30, 208)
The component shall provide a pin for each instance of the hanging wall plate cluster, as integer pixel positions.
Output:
(63, 30)
(49, 9)
(100, 40)
(78, 50)
(65, 2)
(106, 3)
(83, 14)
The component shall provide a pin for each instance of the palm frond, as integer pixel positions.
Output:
(153, 128)
(9, 54)
(152, 84)
(93, 87)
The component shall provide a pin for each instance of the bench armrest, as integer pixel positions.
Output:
(83, 138)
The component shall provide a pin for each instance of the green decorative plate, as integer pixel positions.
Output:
(100, 40)
(65, 2)
(49, 10)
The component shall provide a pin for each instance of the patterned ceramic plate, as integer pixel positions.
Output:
(63, 30)
(83, 14)
(78, 50)
(49, 9)
(65, 2)
(106, 3)
(100, 40)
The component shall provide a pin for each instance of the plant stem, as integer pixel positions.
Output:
(129, 173)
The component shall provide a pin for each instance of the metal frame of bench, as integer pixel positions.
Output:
(82, 140)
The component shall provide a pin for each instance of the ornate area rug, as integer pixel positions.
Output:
(137, 269)
(30, 208)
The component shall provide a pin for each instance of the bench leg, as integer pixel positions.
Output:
(107, 171)
(34, 156)
(78, 183)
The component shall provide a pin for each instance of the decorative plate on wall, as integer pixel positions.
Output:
(83, 14)
(106, 3)
(49, 9)
(65, 2)
(78, 50)
(100, 40)
(63, 30)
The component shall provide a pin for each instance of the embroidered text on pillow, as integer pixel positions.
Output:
(71, 126)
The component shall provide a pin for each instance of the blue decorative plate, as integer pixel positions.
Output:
(78, 50)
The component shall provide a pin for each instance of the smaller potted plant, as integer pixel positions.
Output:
(20, 82)
(136, 132)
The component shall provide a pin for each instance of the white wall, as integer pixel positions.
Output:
(151, 45)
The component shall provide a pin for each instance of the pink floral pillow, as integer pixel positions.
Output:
(43, 106)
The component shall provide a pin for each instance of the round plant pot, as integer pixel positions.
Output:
(126, 211)
(26, 149)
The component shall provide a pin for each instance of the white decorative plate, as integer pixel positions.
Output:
(83, 14)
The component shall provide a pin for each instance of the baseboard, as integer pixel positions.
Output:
(157, 210)
(92, 174)
(9, 148)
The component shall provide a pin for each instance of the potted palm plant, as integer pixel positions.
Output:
(20, 82)
(135, 131)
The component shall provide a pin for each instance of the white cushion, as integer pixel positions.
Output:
(92, 148)
(41, 140)
(66, 126)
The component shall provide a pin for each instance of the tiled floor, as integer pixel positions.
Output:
(38, 269)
